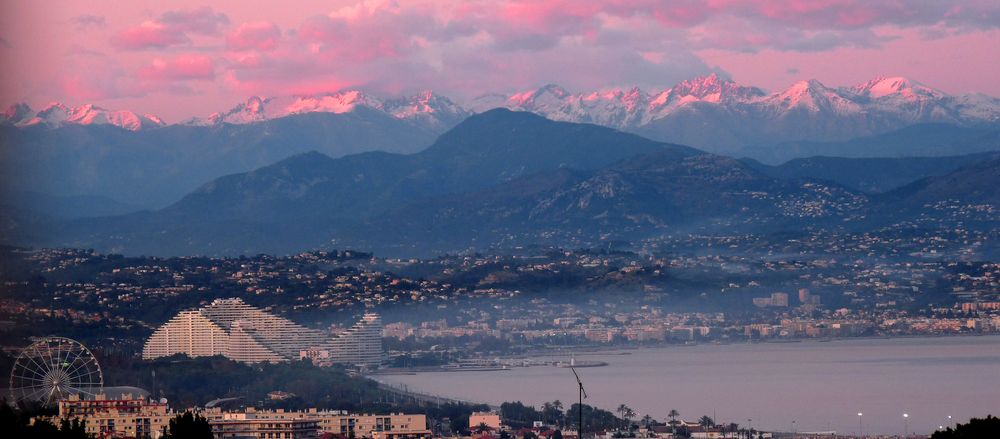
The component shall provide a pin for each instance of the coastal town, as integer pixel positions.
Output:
(712, 289)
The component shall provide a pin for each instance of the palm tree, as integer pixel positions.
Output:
(673, 418)
(558, 407)
(646, 420)
(629, 414)
(706, 421)
(621, 414)
(733, 427)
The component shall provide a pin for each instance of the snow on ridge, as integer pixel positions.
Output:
(882, 98)
(57, 114)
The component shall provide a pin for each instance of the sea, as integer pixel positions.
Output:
(806, 386)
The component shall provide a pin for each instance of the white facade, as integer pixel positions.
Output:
(238, 331)
(361, 344)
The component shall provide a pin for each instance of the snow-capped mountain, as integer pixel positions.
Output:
(709, 112)
(57, 114)
(892, 95)
(721, 115)
(426, 108)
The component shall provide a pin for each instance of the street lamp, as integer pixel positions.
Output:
(906, 424)
(860, 434)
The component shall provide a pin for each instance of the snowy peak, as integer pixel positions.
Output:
(712, 88)
(56, 115)
(812, 96)
(882, 86)
(543, 97)
(341, 102)
(427, 107)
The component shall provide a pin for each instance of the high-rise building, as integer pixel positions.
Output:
(236, 330)
(361, 344)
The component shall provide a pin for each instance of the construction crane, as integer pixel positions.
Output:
(583, 394)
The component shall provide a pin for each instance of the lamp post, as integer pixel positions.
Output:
(860, 434)
(906, 424)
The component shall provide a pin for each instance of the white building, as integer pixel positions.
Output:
(231, 328)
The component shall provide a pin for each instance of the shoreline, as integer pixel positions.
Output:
(585, 350)
(713, 379)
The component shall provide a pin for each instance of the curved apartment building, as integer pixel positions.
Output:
(231, 328)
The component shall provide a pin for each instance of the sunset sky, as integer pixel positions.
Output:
(180, 59)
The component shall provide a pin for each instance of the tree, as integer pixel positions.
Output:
(621, 414)
(975, 428)
(706, 421)
(557, 434)
(673, 415)
(75, 429)
(189, 425)
(646, 420)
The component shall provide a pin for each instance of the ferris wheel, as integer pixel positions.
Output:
(52, 369)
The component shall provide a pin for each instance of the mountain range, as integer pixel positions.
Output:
(503, 179)
(710, 112)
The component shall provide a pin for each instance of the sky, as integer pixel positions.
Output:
(180, 59)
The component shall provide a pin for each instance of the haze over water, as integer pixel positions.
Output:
(821, 386)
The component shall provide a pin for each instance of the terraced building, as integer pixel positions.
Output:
(236, 330)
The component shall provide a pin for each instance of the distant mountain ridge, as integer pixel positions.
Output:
(56, 115)
(426, 108)
(155, 167)
(710, 112)
(719, 115)
(870, 175)
(502, 179)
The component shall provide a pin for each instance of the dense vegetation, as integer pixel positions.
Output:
(517, 415)
(188, 382)
(189, 426)
(18, 424)
(975, 428)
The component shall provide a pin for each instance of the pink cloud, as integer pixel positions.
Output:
(261, 35)
(183, 67)
(148, 34)
(467, 47)
(169, 29)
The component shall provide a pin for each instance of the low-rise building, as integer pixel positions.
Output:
(250, 425)
(490, 419)
(126, 416)
(390, 426)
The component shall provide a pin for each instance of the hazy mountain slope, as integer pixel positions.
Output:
(975, 183)
(68, 207)
(308, 194)
(484, 150)
(504, 178)
(152, 168)
(635, 198)
(870, 175)
(921, 140)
